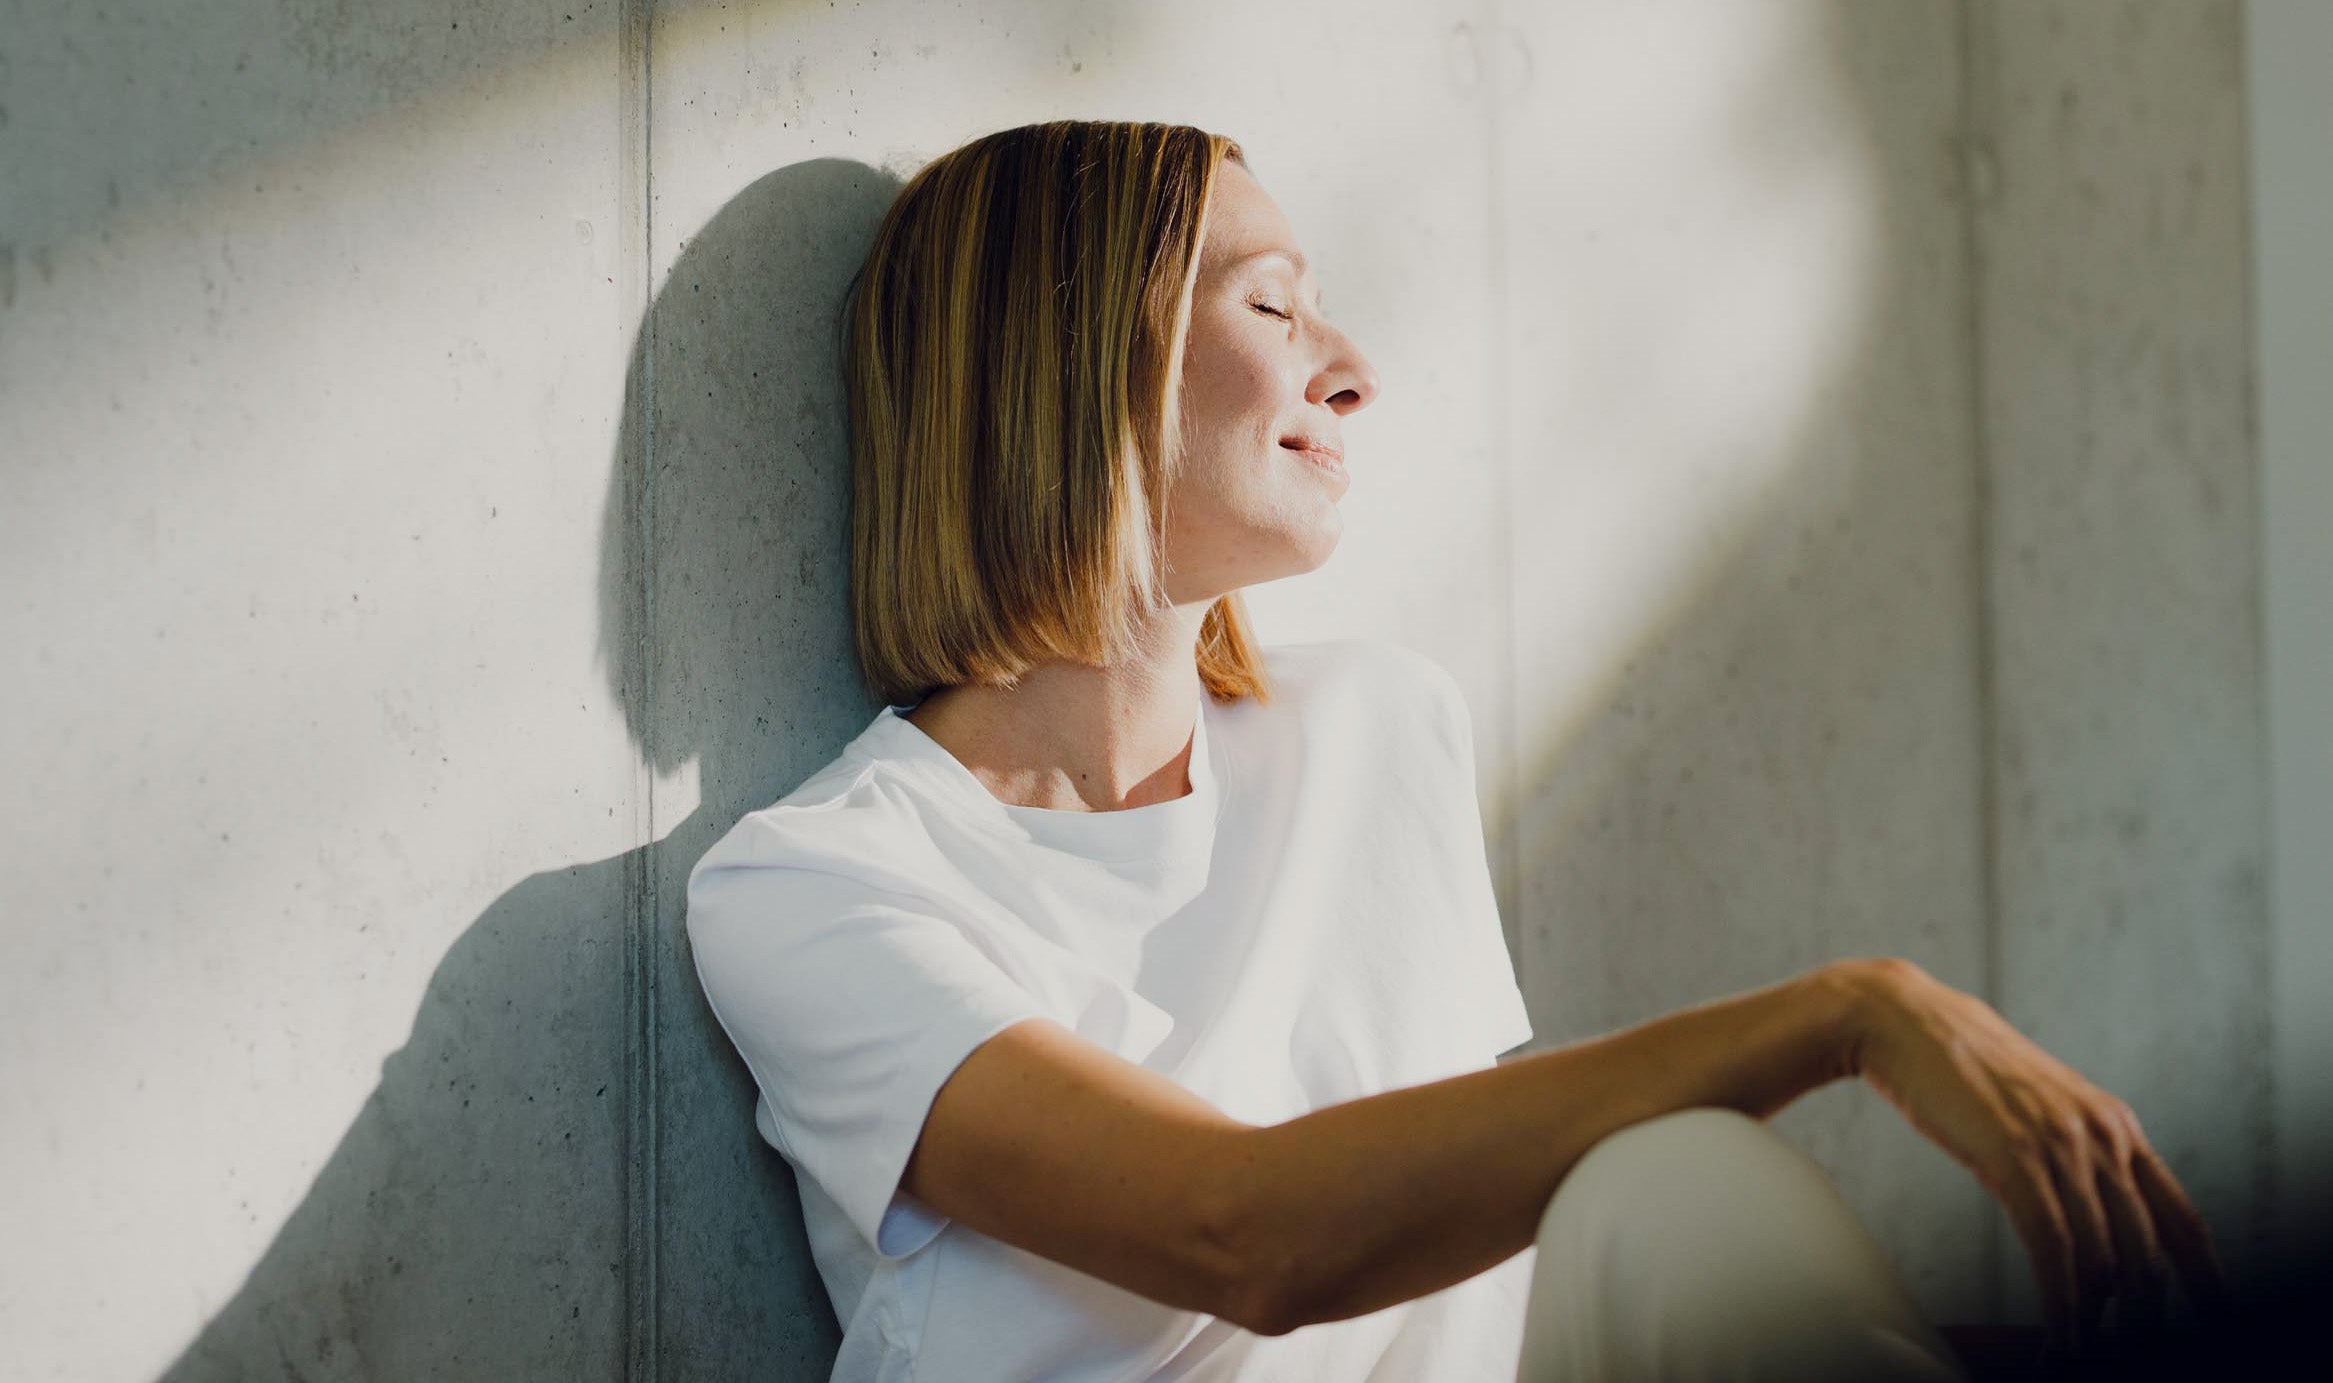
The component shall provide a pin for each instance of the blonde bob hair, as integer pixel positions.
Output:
(1012, 353)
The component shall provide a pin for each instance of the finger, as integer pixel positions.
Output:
(2032, 1201)
(2075, 1175)
(2143, 1285)
(2143, 1288)
(2184, 1233)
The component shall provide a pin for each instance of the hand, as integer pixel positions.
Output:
(2095, 1206)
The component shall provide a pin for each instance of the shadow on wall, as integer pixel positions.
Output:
(481, 1218)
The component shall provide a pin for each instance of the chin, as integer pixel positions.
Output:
(1320, 552)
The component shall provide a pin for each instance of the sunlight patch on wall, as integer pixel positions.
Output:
(1693, 241)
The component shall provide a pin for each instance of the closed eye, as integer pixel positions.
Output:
(1268, 310)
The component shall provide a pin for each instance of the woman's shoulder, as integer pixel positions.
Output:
(848, 820)
(1369, 668)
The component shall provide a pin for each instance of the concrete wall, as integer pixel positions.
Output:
(2290, 114)
(1816, 433)
(2122, 572)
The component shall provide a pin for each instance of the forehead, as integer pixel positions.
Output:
(1243, 222)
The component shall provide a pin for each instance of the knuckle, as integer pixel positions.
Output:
(2112, 1266)
(2142, 1151)
(2020, 1143)
(1897, 967)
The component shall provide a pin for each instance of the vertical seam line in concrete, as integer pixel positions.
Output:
(1976, 144)
(2268, 1159)
(639, 1266)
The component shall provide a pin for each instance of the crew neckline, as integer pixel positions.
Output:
(1124, 834)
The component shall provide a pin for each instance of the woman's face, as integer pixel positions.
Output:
(1267, 383)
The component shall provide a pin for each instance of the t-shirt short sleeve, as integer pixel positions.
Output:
(852, 1006)
(1488, 997)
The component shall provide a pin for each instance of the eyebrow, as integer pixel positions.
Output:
(1295, 260)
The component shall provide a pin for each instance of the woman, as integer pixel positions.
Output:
(1130, 1007)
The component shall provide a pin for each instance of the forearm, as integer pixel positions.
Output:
(1352, 1208)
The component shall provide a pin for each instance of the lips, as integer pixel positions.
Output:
(1318, 449)
(1326, 456)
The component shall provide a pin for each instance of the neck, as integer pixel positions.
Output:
(1071, 737)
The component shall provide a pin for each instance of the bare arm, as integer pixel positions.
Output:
(1047, 1142)
(1352, 1208)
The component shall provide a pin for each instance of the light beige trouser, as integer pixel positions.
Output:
(1700, 1246)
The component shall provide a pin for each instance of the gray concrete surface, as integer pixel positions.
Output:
(2289, 120)
(2122, 572)
(1816, 434)
(1748, 638)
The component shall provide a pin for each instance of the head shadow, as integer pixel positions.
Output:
(558, 1171)
(726, 635)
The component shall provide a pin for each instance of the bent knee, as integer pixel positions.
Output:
(1671, 1155)
(1703, 1234)
(1683, 1138)
(1693, 1127)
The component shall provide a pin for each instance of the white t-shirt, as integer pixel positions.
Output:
(1311, 924)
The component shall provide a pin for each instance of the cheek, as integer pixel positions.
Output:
(1232, 417)
(1228, 380)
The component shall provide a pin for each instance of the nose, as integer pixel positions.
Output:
(1346, 382)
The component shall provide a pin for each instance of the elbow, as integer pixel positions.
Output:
(1252, 1308)
(1254, 1268)
(1259, 1302)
